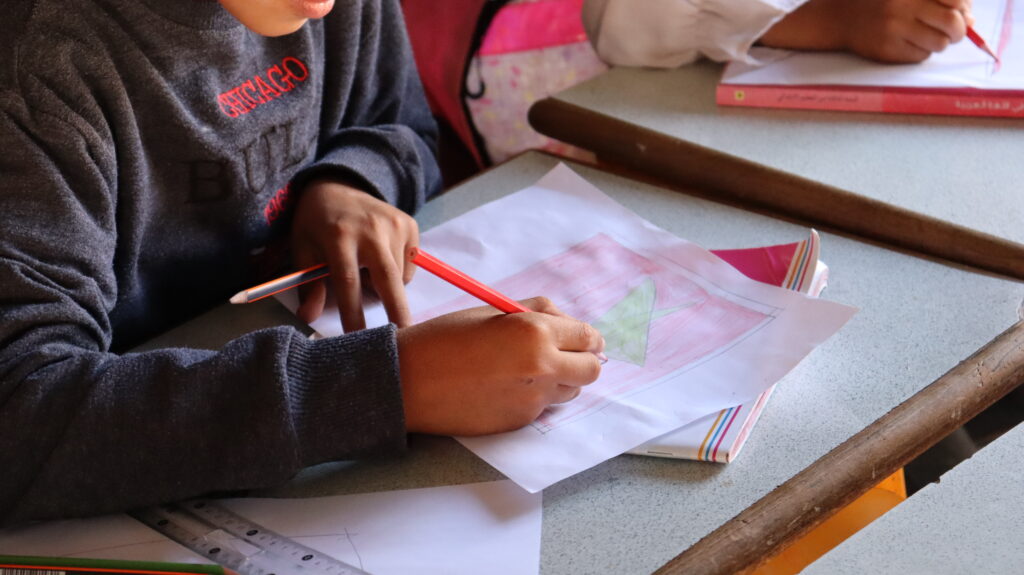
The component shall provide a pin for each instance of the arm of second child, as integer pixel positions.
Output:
(378, 140)
(896, 31)
(672, 33)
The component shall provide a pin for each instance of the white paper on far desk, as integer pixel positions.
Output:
(687, 334)
(492, 527)
(961, 65)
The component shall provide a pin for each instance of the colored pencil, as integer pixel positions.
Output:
(418, 256)
(280, 284)
(70, 565)
(980, 42)
(465, 283)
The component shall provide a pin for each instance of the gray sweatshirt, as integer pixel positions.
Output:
(150, 151)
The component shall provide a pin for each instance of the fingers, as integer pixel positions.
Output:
(544, 305)
(403, 249)
(570, 333)
(966, 7)
(923, 44)
(312, 299)
(388, 281)
(355, 231)
(959, 5)
(565, 394)
(313, 295)
(568, 351)
(939, 26)
(386, 275)
(909, 31)
(903, 49)
(347, 284)
(576, 369)
(574, 335)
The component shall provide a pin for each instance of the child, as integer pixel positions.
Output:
(155, 153)
(671, 33)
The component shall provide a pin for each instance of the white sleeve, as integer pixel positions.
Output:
(670, 33)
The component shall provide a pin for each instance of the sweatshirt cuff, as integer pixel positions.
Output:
(345, 395)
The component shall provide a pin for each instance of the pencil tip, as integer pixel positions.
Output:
(239, 297)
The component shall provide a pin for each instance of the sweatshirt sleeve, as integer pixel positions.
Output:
(377, 129)
(671, 33)
(87, 431)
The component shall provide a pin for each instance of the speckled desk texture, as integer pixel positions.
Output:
(632, 514)
(967, 171)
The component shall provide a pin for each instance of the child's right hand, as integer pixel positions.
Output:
(906, 30)
(893, 31)
(479, 371)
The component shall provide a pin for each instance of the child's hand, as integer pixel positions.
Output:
(906, 30)
(894, 31)
(352, 231)
(479, 371)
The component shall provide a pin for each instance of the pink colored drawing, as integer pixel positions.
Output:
(654, 318)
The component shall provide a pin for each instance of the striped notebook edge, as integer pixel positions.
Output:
(720, 436)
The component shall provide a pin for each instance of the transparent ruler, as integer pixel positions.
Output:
(233, 541)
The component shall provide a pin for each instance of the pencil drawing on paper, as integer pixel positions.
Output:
(626, 326)
(339, 545)
(656, 319)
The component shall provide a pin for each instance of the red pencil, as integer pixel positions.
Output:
(472, 287)
(465, 283)
(980, 42)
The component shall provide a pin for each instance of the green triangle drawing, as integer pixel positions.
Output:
(626, 325)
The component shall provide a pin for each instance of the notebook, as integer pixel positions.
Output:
(719, 437)
(962, 80)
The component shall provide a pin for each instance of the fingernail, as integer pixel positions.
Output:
(601, 357)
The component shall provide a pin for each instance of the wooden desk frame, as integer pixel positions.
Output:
(679, 164)
(851, 469)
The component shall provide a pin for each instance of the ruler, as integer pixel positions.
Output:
(233, 541)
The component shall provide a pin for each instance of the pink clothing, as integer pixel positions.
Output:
(532, 49)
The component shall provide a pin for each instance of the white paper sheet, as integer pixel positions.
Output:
(687, 334)
(492, 527)
(961, 65)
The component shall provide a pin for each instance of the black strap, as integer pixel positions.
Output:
(487, 13)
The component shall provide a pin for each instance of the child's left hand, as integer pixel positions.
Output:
(351, 231)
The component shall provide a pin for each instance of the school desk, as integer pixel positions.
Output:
(633, 514)
(944, 186)
(970, 522)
